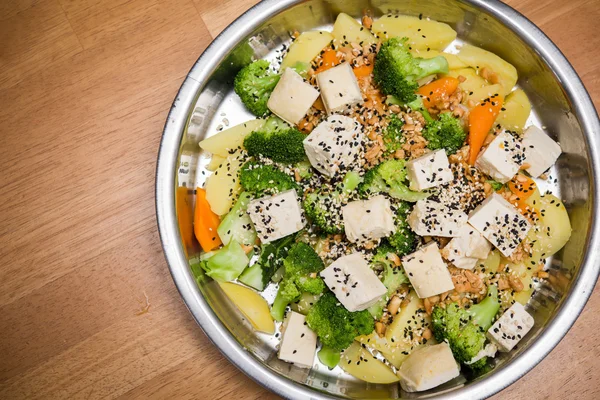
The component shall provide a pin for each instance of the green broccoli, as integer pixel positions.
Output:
(389, 177)
(329, 357)
(403, 240)
(495, 184)
(335, 326)
(254, 84)
(396, 71)
(464, 329)
(393, 137)
(445, 133)
(262, 179)
(278, 141)
(270, 260)
(302, 266)
(323, 206)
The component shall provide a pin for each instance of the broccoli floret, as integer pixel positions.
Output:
(261, 179)
(445, 133)
(396, 71)
(335, 326)
(403, 240)
(464, 329)
(323, 206)
(392, 276)
(329, 357)
(392, 135)
(495, 184)
(254, 84)
(270, 260)
(278, 141)
(302, 266)
(389, 177)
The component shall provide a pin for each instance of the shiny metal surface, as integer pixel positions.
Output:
(561, 104)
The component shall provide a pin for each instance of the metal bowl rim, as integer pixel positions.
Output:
(214, 328)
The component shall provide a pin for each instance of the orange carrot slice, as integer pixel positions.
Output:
(438, 90)
(481, 120)
(206, 223)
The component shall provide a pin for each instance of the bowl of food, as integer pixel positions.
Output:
(381, 199)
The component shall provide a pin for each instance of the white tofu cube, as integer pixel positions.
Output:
(339, 88)
(428, 367)
(299, 342)
(541, 152)
(292, 97)
(502, 158)
(429, 170)
(500, 223)
(510, 328)
(430, 218)
(465, 250)
(427, 271)
(276, 216)
(353, 282)
(334, 144)
(368, 219)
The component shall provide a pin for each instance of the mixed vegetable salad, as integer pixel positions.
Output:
(387, 190)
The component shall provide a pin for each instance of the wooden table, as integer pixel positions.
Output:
(85, 87)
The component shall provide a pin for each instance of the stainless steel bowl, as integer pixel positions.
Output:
(560, 102)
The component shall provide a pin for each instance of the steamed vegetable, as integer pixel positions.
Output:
(422, 34)
(227, 263)
(222, 187)
(347, 30)
(252, 305)
(254, 84)
(516, 111)
(501, 72)
(481, 121)
(237, 225)
(306, 47)
(358, 362)
(438, 91)
(225, 142)
(389, 177)
(445, 133)
(270, 260)
(206, 223)
(261, 179)
(276, 140)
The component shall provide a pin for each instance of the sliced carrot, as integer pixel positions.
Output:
(183, 206)
(329, 59)
(363, 70)
(438, 90)
(206, 223)
(481, 120)
(523, 187)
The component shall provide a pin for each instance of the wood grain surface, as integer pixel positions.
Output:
(85, 87)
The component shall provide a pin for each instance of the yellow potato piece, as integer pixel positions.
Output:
(453, 61)
(306, 47)
(395, 346)
(347, 29)
(222, 187)
(230, 139)
(215, 162)
(478, 58)
(252, 305)
(478, 95)
(421, 33)
(491, 263)
(516, 111)
(359, 363)
(472, 81)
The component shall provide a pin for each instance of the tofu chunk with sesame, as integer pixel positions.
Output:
(292, 97)
(429, 170)
(541, 152)
(299, 342)
(465, 250)
(510, 328)
(366, 220)
(428, 367)
(502, 158)
(500, 223)
(353, 282)
(430, 218)
(276, 216)
(334, 144)
(339, 88)
(427, 272)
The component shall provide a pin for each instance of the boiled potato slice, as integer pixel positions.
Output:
(395, 347)
(215, 162)
(422, 34)
(347, 29)
(491, 263)
(478, 95)
(516, 111)
(472, 81)
(222, 187)
(453, 61)
(478, 58)
(252, 305)
(306, 47)
(224, 141)
(549, 235)
(359, 363)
